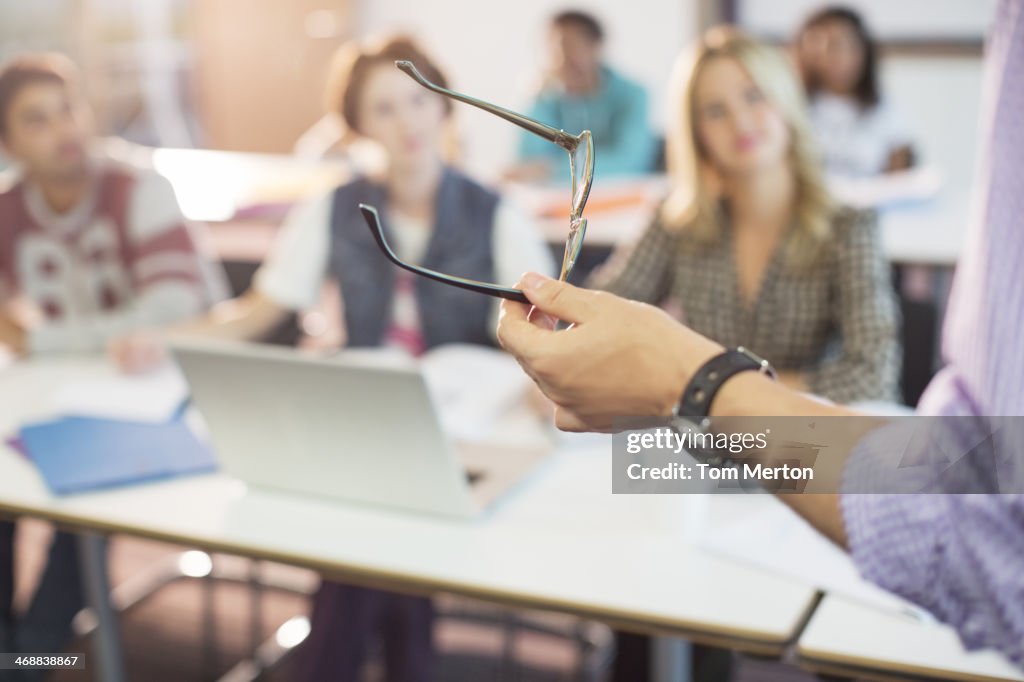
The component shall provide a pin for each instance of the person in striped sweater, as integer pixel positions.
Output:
(91, 248)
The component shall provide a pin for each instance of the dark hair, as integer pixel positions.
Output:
(866, 87)
(588, 22)
(30, 69)
(353, 63)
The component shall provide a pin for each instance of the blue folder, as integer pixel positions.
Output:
(75, 454)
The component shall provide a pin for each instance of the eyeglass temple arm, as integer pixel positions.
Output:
(372, 218)
(560, 137)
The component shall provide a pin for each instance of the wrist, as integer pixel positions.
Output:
(738, 396)
(681, 372)
(711, 377)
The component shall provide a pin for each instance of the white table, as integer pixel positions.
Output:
(847, 638)
(562, 542)
(929, 233)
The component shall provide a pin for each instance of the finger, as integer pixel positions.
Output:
(140, 358)
(117, 351)
(141, 354)
(516, 333)
(156, 356)
(542, 319)
(513, 309)
(567, 420)
(559, 299)
(126, 362)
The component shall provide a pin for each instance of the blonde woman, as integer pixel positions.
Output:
(748, 245)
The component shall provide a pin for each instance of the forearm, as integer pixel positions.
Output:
(12, 335)
(749, 393)
(249, 317)
(794, 380)
(160, 305)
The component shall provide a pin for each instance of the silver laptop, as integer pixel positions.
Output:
(352, 429)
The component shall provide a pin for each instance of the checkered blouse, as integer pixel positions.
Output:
(835, 321)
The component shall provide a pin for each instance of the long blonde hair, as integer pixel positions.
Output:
(693, 205)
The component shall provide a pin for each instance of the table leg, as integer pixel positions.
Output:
(106, 638)
(671, 659)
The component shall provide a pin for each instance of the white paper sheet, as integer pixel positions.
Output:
(473, 389)
(760, 530)
(151, 397)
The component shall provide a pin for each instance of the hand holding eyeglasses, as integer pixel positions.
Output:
(619, 358)
(581, 168)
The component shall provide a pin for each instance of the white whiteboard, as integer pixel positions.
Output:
(888, 20)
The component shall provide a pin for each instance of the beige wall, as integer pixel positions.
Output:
(260, 72)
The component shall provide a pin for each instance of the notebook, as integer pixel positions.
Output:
(75, 454)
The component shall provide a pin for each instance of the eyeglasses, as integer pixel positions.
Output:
(581, 170)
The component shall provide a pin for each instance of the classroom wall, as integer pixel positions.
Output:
(258, 99)
(494, 50)
(904, 20)
(940, 96)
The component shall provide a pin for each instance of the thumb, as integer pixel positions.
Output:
(558, 299)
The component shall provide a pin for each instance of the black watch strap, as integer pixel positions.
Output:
(700, 392)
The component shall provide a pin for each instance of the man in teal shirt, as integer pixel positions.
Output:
(582, 93)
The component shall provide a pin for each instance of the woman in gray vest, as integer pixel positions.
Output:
(437, 217)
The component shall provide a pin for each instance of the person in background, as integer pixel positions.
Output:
(581, 92)
(437, 217)
(748, 247)
(859, 131)
(90, 248)
(91, 245)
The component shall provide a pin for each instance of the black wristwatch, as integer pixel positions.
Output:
(695, 402)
